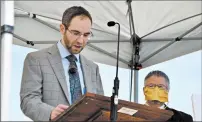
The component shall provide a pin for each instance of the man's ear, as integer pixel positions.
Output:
(62, 29)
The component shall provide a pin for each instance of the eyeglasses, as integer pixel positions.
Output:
(161, 86)
(76, 34)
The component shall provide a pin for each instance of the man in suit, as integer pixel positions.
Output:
(56, 77)
(156, 89)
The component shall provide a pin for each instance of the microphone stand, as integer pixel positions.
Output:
(114, 97)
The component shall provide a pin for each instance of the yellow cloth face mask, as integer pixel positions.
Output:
(156, 94)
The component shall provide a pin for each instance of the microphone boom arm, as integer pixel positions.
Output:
(114, 97)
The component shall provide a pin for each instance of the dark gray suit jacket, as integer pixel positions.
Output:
(43, 84)
(179, 116)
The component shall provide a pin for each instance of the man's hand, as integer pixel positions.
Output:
(58, 110)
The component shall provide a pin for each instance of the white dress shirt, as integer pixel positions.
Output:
(161, 107)
(64, 53)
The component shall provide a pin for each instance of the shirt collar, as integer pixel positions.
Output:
(65, 52)
(161, 107)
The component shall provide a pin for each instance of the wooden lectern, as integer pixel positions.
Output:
(93, 107)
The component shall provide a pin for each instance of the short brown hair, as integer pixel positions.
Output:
(72, 12)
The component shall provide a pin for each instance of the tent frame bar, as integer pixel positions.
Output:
(171, 39)
(90, 45)
(171, 24)
(123, 41)
(89, 41)
(45, 23)
(24, 40)
(28, 15)
(175, 40)
(22, 15)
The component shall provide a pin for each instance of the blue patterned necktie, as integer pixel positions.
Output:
(75, 86)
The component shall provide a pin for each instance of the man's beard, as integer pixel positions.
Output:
(69, 45)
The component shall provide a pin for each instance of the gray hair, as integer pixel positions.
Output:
(159, 74)
(72, 12)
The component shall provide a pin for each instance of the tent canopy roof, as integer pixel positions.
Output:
(148, 16)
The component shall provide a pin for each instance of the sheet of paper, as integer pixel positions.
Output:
(127, 111)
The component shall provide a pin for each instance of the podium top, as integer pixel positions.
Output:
(93, 107)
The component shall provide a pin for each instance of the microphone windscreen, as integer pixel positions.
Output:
(111, 23)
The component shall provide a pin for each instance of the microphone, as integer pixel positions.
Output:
(114, 97)
(111, 23)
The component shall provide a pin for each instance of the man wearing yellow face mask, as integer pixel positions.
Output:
(156, 89)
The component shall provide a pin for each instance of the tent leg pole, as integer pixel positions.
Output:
(0, 81)
(7, 22)
(135, 86)
(135, 65)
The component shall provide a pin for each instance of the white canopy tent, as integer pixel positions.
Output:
(148, 16)
(164, 29)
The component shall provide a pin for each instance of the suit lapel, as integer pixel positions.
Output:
(86, 74)
(56, 64)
